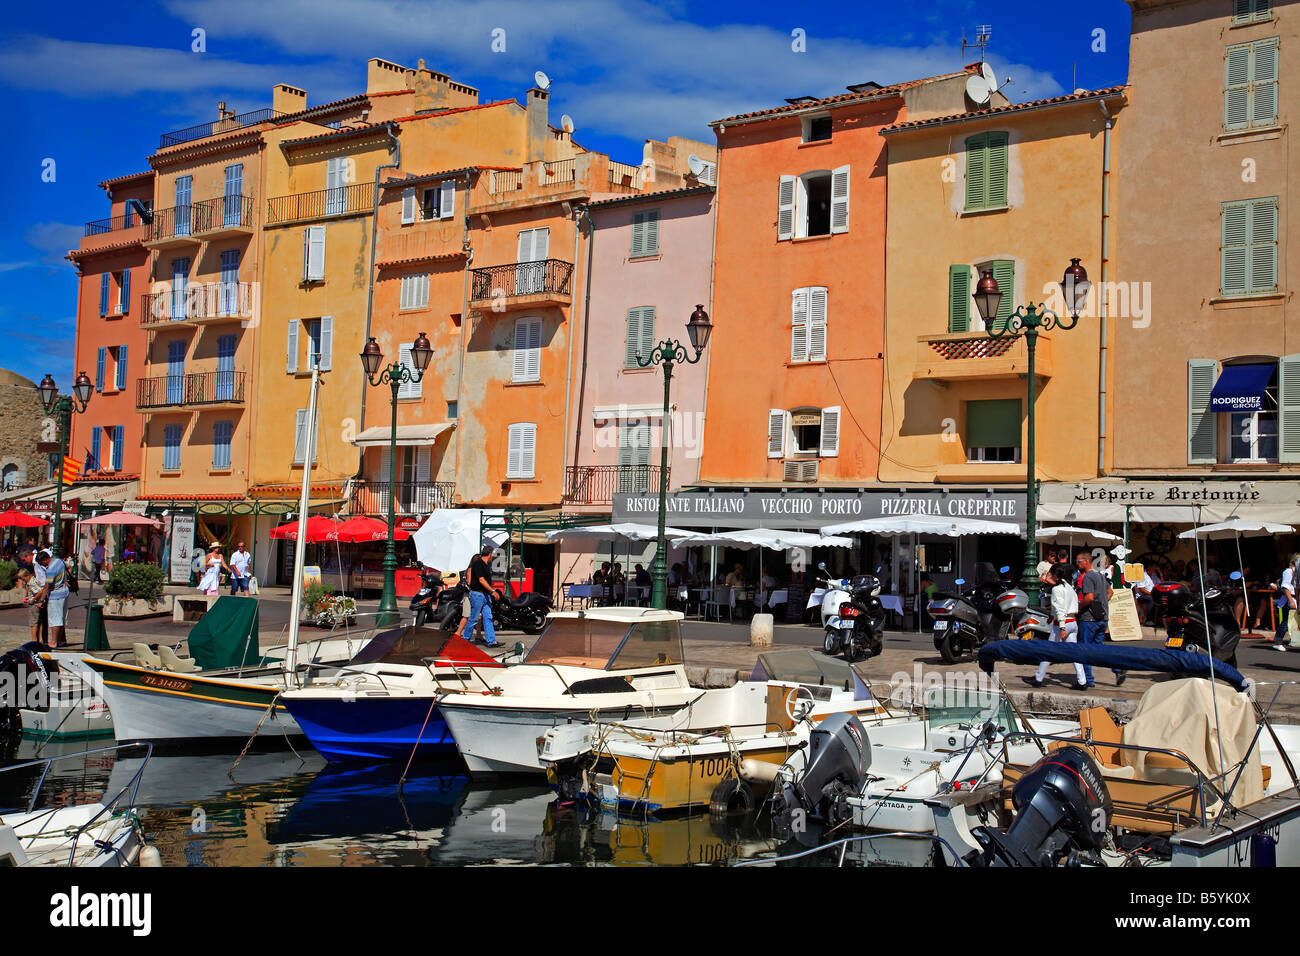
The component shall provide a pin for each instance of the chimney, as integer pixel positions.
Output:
(538, 127)
(288, 99)
(384, 76)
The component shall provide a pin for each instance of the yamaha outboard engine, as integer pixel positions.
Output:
(24, 683)
(1062, 815)
(838, 758)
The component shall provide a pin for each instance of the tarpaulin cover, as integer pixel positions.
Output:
(226, 636)
(1101, 655)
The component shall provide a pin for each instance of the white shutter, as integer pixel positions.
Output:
(776, 429)
(522, 450)
(840, 200)
(386, 466)
(1288, 402)
(525, 252)
(817, 324)
(785, 208)
(306, 254)
(408, 205)
(527, 357)
(638, 235)
(291, 355)
(447, 199)
(422, 458)
(535, 351)
(409, 389)
(326, 342)
(830, 444)
(1202, 423)
(300, 437)
(314, 268)
(541, 244)
(799, 326)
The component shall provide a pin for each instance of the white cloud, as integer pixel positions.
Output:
(53, 240)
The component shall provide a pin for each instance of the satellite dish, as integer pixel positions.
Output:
(542, 80)
(566, 123)
(989, 76)
(695, 164)
(977, 90)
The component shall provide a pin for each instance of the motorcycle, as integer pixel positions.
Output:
(1186, 623)
(966, 621)
(527, 612)
(438, 600)
(853, 617)
(1026, 622)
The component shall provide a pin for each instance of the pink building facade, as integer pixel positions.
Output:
(651, 265)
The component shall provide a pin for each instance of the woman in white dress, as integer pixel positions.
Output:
(214, 565)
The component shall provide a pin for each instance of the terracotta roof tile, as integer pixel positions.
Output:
(653, 196)
(108, 184)
(839, 99)
(1106, 93)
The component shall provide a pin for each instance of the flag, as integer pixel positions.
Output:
(71, 469)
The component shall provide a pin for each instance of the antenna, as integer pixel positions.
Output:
(566, 123)
(983, 33)
(542, 80)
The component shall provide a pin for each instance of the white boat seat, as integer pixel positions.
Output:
(171, 662)
(146, 658)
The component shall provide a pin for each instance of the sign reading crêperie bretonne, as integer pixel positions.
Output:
(811, 510)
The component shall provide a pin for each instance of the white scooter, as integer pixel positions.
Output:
(837, 629)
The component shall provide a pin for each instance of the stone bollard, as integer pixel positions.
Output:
(760, 631)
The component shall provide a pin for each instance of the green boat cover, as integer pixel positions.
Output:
(226, 636)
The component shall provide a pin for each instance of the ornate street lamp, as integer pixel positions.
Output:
(667, 353)
(396, 374)
(63, 406)
(1029, 319)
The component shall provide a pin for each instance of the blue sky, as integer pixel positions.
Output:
(93, 85)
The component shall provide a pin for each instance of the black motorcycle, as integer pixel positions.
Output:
(973, 617)
(527, 612)
(863, 610)
(1185, 621)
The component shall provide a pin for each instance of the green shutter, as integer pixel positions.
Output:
(993, 423)
(1263, 83)
(976, 158)
(650, 235)
(996, 170)
(1202, 425)
(1004, 271)
(634, 337)
(1236, 87)
(1233, 250)
(638, 234)
(1263, 245)
(1288, 402)
(959, 300)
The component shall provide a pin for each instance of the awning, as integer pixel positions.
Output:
(407, 435)
(1241, 388)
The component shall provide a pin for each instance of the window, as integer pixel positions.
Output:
(313, 254)
(9, 477)
(291, 352)
(803, 432)
(128, 215)
(415, 292)
(320, 343)
(124, 292)
(816, 128)
(103, 293)
(175, 371)
(1256, 402)
(1251, 11)
(336, 180)
(180, 288)
(228, 303)
(530, 271)
(814, 204)
(993, 430)
(1248, 262)
(226, 345)
(52, 468)
(633, 456)
(1004, 272)
(121, 366)
(645, 233)
(221, 435)
(808, 325)
(119, 443)
(232, 213)
(101, 360)
(528, 351)
(453, 410)
(408, 205)
(522, 449)
(300, 438)
(172, 447)
(1250, 85)
(640, 335)
(439, 202)
(986, 170)
(409, 388)
(181, 213)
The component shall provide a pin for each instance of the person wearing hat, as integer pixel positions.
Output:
(214, 565)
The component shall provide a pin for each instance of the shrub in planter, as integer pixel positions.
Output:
(314, 599)
(8, 570)
(140, 582)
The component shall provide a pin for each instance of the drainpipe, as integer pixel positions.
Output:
(464, 324)
(394, 147)
(1104, 299)
(583, 213)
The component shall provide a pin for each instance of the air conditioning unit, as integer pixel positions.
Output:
(801, 470)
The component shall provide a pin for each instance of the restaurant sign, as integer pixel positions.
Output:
(811, 510)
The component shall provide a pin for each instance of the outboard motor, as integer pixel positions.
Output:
(1062, 815)
(17, 670)
(838, 758)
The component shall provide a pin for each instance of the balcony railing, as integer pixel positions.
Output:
(217, 126)
(116, 224)
(621, 174)
(563, 171)
(548, 276)
(320, 204)
(413, 497)
(505, 181)
(224, 212)
(198, 302)
(597, 484)
(195, 388)
(978, 355)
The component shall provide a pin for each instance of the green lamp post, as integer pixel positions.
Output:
(63, 407)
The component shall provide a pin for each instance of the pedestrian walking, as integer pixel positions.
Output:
(1094, 610)
(481, 594)
(97, 557)
(213, 566)
(240, 560)
(1286, 603)
(1065, 628)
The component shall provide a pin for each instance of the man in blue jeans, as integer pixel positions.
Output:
(481, 594)
(1094, 607)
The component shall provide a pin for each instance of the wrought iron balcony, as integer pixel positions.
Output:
(195, 388)
(521, 284)
(225, 125)
(597, 484)
(199, 304)
(320, 204)
(225, 214)
(370, 497)
(116, 224)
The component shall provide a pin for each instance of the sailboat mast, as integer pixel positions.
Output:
(299, 551)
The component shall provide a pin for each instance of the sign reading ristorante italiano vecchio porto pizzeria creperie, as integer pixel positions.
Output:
(801, 509)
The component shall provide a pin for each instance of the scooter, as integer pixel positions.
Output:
(971, 618)
(853, 617)
(1026, 622)
(1185, 622)
(438, 600)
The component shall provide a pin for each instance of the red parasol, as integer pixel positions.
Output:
(360, 529)
(13, 518)
(319, 528)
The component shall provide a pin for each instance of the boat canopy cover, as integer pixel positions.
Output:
(803, 666)
(414, 645)
(1126, 658)
(226, 636)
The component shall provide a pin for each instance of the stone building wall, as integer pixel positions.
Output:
(23, 423)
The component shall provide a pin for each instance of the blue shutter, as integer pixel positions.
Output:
(226, 368)
(175, 371)
(229, 282)
(93, 465)
(99, 368)
(182, 211)
(234, 194)
(119, 439)
(121, 366)
(221, 434)
(103, 293)
(172, 447)
(126, 292)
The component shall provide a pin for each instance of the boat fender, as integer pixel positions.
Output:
(758, 771)
(731, 796)
(149, 856)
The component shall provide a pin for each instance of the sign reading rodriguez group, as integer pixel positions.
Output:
(811, 510)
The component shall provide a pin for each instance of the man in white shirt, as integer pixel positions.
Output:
(240, 560)
(1286, 603)
(1065, 610)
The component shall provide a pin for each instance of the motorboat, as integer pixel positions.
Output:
(72, 710)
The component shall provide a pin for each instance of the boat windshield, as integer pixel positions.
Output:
(577, 642)
(966, 706)
(802, 666)
(650, 643)
(410, 645)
